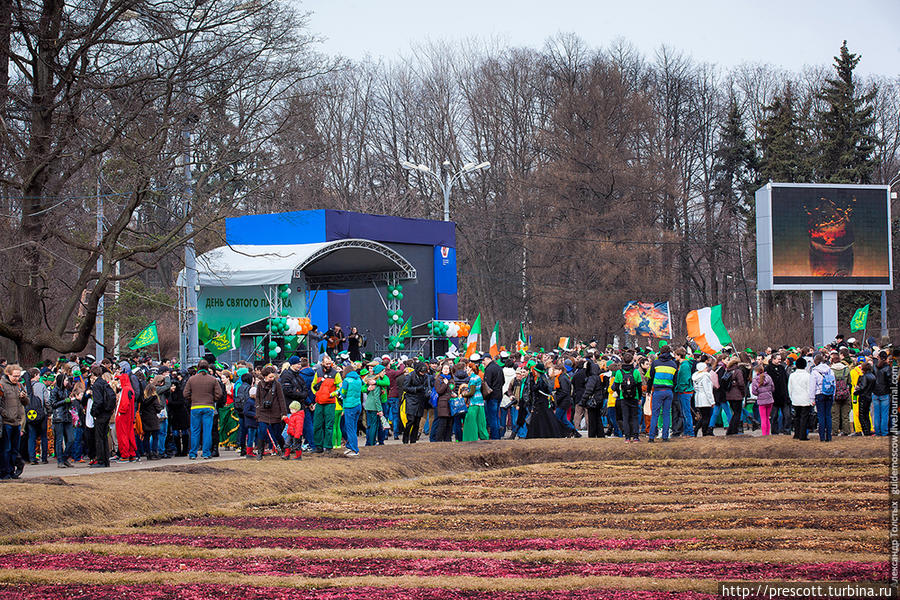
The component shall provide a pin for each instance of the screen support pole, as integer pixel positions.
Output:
(825, 317)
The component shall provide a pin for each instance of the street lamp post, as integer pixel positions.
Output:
(446, 184)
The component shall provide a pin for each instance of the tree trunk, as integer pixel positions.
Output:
(28, 355)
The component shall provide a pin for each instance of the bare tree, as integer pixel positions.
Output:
(112, 85)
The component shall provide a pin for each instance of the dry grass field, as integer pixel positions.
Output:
(559, 519)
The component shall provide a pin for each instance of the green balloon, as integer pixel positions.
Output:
(399, 296)
(272, 345)
(273, 354)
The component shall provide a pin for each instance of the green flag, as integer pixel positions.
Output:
(860, 318)
(147, 337)
(404, 331)
(224, 342)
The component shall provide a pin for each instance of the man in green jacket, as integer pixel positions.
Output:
(684, 390)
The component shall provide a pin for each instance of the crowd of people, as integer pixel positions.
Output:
(82, 410)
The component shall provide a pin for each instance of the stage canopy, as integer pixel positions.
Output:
(343, 263)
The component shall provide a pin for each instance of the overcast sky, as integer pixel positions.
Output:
(786, 33)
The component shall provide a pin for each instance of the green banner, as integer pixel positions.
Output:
(860, 319)
(147, 337)
(224, 342)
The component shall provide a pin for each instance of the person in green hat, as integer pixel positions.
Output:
(544, 423)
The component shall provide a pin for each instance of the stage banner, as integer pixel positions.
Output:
(648, 319)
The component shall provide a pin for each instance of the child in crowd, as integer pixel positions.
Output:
(294, 441)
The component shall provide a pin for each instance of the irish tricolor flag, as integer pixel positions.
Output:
(522, 342)
(495, 340)
(472, 340)
(706, 328)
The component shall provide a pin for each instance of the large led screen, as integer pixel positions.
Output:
(824, 237)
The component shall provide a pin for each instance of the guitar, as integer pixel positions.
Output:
(335, 340)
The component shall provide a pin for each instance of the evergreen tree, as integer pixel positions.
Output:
(735, 171)
(847, 147)
(735, 180)
(783, 155)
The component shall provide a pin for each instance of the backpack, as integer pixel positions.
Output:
(35, 410)
(726, 380)
(828, 383)
(628, 387)
(841, 391)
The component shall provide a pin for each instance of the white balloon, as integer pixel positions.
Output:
(452, 330)
(278, 349)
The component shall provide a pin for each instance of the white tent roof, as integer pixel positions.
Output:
(243, 265)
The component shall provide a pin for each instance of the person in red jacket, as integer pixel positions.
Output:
(125, 419)
(294, 422)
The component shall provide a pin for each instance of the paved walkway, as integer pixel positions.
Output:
(51, 470)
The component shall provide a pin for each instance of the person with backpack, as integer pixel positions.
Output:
(821, 391)
(351, 392)
(36, 414)
(841, 419)
(660, 383)
(627, 385)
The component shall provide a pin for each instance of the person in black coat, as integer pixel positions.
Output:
(865, 386)
(102, 410)
(415, 388)
(179, 415)
(293, 385)
(494, 378)
(542, 422)
(150, 406)
(579, 381)
(593, 398)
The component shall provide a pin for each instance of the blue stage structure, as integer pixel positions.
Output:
(429, 246)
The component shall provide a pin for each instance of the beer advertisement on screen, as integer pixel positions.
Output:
(825, 236)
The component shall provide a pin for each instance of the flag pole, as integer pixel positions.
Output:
(158, 352)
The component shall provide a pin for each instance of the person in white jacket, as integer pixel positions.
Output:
(798, 392)
(703, 396)
(817, 377)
